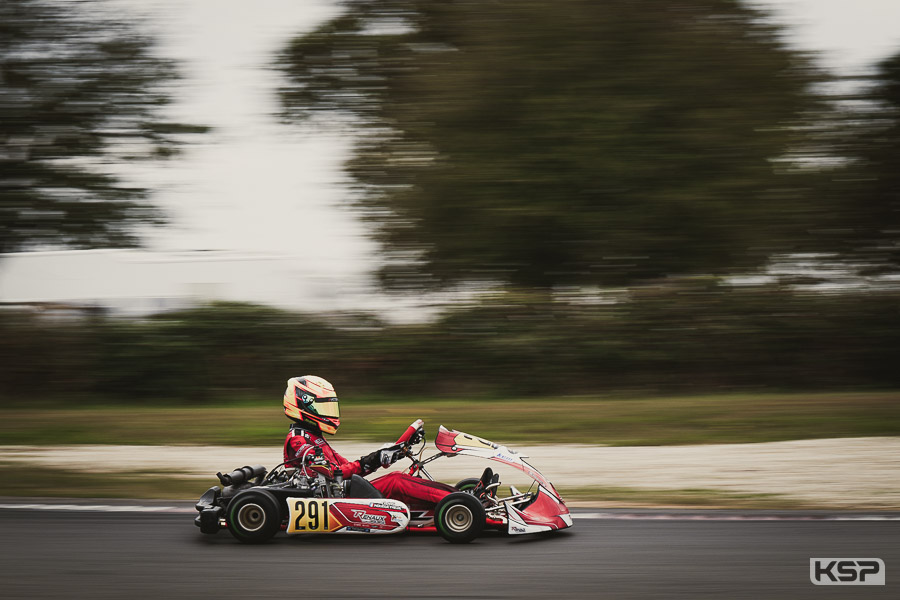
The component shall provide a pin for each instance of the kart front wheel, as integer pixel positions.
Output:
(253, 516)
(459, 518)
(468, 484)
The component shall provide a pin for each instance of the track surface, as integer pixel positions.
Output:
(82, 554)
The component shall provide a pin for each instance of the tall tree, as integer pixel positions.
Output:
(78, 89)
(865, 227)
(569, 141)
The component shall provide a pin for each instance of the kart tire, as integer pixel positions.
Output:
(468, 484)
(253, 516)
(459, 518)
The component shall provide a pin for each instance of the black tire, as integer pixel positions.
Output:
(253, 516)
(459, 518)
(467, 485)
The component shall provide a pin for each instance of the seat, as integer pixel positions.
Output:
(487, 485)
(359, 487)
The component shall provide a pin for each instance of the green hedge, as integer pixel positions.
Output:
(686, 337)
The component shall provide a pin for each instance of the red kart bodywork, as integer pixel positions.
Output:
(546, 512)
(255, 504)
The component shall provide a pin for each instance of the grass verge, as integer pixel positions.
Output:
(622, 421)
(19, 480)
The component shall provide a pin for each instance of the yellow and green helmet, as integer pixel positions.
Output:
(312, 400)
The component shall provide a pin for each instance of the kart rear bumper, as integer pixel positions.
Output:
(211, 515)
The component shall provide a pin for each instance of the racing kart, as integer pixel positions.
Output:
(254, 504)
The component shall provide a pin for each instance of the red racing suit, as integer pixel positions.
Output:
(415, 492)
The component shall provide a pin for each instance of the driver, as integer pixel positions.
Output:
(312, 404)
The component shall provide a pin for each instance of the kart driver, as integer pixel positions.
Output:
(312, 404)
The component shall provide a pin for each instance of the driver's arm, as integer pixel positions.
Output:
(383, 457)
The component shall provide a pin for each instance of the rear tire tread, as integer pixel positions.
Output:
(271, 516)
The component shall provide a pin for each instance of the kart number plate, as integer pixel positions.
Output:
(311, 516)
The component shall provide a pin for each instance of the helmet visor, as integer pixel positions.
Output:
(326, 407)
(323, 407)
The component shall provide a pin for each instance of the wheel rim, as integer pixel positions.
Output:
(459, 518)
(251, 517)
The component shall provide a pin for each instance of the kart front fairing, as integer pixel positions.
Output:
(545, 512)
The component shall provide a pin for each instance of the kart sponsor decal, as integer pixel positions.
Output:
(385, 506)
(393, 517)
(365, 517)
(338, 515)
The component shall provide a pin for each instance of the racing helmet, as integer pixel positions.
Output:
(311, 399)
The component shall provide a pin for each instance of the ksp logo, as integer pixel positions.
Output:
(846, 571)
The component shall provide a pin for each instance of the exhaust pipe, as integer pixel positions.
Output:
(239, 476)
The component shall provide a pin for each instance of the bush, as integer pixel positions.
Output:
(683, 337)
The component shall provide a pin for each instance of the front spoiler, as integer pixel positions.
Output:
(547, 513)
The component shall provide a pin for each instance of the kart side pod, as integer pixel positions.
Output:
(347, 515)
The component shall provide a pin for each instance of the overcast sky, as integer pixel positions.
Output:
(851, 34)
(255, 185)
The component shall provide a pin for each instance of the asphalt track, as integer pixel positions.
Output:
(71, 552)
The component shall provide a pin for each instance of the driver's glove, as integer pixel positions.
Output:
(383, 457)
(389, 456)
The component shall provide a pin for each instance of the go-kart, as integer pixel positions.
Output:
(254, 504)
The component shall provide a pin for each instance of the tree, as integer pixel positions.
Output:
(78, 89)
(547, 142)
(865, 223)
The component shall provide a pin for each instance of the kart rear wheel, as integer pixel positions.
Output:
(459, 518)
(253, 516)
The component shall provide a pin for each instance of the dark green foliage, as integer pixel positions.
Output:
(78, 90)
(864, 226)
(220, 350)
(691, 336)
(573, 141)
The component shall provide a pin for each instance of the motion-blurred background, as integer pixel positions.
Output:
(624, 222)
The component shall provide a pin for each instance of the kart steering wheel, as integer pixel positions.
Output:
(413, 434)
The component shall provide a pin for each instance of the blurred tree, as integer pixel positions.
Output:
(550, 142)
(77, 89)
(865, 223)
